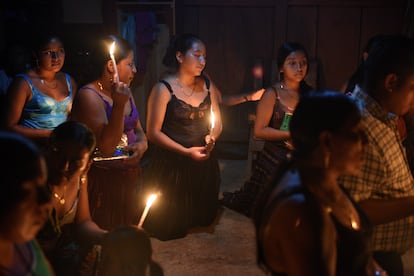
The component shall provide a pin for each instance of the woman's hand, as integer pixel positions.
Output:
(198, 153)
(135, 153)
(210, 143)
(256, 95)
(120, 93)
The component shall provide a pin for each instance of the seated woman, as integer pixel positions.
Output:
(127, 251)
(68, 157)
(308, 224)
(24, 205)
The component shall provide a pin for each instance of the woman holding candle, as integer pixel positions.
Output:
(182, 167)
(41, 99)
(272, 120)
(108, 108)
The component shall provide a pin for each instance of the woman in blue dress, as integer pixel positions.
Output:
(41, 98)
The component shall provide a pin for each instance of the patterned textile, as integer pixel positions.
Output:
(267, 163)
(385, 174)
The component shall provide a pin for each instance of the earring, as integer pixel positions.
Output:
(327, 160)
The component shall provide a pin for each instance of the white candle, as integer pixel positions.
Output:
(150, 200)
(213, 121)
(111, 53)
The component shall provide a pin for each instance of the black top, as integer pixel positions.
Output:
(184, 123)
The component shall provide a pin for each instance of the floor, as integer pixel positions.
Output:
(226, 249)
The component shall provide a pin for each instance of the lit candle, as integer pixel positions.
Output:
(213, 121)
(111, 53)
(150, 200)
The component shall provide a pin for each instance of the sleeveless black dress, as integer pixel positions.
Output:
(189, 189)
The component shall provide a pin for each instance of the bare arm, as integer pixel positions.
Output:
(234, 99)
(264, 114)
(87, 229)
(90, 110)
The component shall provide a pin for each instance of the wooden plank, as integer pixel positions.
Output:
(232, 3)
(338, 44)
(349, 3)
(392, 21)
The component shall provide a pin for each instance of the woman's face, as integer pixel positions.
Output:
(68, 161)
(348, 149)
(402, 97)
(52, 56)
(295, 66)
(30, 214)
(126, 69)
(194, 60)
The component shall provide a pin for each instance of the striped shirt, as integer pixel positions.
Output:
(385, 173)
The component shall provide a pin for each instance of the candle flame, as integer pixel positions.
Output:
(112, 49)
(213, 118)
(151, 200)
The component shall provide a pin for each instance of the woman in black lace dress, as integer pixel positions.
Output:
(182, 166)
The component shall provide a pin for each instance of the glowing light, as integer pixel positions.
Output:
(212, 120)
(148, 205)
(111, 54)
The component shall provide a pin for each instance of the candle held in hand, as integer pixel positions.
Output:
(150, 201)
(111, 54)
(212, 121)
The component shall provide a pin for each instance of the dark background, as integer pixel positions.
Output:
(238, 34)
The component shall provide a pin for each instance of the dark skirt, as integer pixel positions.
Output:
(113, 195)
(188, 193)
(264, 167)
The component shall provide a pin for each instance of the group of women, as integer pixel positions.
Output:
(93, 142)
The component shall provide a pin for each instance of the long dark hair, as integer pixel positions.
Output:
(181, 43)
(284, 51)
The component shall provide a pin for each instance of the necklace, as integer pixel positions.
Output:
(181, 85)
(290, 98)
(46, 83)
(61, 199)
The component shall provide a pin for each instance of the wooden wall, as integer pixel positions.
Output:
(240, 33)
